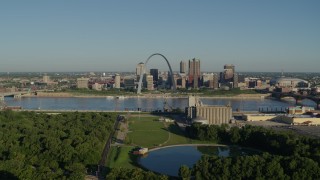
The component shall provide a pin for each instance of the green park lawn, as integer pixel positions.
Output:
(177, 136)
(120, 157)
(147, 132)
(145, 123)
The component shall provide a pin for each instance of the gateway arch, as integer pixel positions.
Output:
(144, 71)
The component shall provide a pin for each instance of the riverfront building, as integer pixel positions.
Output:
(296, 119)
(295, 116)
(300, 109)
(82, 83)
(259, 117)
(292, 119)
(215, 114)
(206, 114)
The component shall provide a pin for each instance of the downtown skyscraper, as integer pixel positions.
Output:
(194, 73)
(183, 67)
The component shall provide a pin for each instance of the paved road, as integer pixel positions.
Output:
(313, 131)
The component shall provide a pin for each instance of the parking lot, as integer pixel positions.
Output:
(313, 131)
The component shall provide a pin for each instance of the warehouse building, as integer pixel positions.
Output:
(205, 114)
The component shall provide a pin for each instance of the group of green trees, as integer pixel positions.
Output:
(134, 174)
(52, 146)
(264, 166)
(287, 155)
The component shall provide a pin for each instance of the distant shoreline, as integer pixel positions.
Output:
(68, 95)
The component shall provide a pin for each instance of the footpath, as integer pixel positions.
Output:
(122, 131)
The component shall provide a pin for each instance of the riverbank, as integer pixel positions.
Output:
(68, 95)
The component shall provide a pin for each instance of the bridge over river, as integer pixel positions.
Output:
(298, 97)
(16, 94)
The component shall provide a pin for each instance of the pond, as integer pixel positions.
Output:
(168, 160)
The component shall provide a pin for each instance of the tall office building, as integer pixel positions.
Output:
(194, 72)
(148, 81)
(140, 69)
(229, 77)
(117, 80)
(183, 82)
(155, 74)
(228, 72)
(46, 78)
(215, 81)
(235, 80)
(183, 67)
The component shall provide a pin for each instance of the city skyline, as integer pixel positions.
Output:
(59, 36)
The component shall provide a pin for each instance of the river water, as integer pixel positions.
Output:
(145, 104)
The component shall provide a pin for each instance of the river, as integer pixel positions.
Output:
(145, 104)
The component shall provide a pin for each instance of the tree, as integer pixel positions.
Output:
(234, 135)
(184, 172)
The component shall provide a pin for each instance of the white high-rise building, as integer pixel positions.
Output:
(117, 80)
(148, 81)
(140, 69)
(46, 78)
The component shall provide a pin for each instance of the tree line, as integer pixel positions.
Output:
(52, 146)
(133, 174)
(264, 166)
(287, 155)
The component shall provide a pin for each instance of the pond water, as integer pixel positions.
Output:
(168, 160)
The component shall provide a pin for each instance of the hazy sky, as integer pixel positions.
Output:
(101, 35)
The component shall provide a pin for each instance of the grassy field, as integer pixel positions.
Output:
(178, 136)
(120, 157)
(147, 132)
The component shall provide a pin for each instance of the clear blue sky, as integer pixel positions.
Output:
(100, 35)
